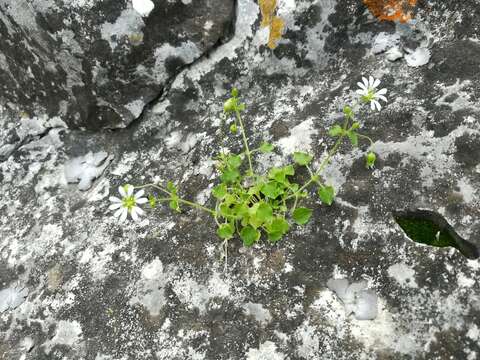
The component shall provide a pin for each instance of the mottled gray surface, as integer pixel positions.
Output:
(98, 63)
(157, 290)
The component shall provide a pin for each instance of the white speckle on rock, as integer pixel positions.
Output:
(300, 138)
(403, 274)
(85, 169)
(129, 22)
(356, 298)
(150, 289)
(384, 41)
(418, 57)
(143, 7)
(266, 351)
(260, 314)
(11, 298)
(394, 54)
(67, 333)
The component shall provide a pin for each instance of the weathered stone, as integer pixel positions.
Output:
(98, 63)
(157, 289)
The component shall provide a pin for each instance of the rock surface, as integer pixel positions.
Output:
(157, 290)
(98, 63)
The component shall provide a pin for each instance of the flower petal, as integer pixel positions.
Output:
(115, 206)
(122, 191)
(372, 105)
(382, 92)
(139, 194)
(133, 214)
(381, 97)
(141, 201)
(377, 104)
(376, 83)
(361, 86)
(139, 211)
(371, 80)
(361, 92)
(123, 215)
(365, 81)
(119, 212)
(130, 189)
(114, 199)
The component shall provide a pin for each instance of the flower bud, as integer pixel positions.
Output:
(233, 128)
(230, 105)
(235, 92)
(370, 160)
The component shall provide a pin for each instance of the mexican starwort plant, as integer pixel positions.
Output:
(249, 204)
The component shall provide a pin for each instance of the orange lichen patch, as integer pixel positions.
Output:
(275, 23)
(392, 10)
(276, 30)
(267, 8)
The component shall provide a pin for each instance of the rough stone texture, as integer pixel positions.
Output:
(156, 289)
(97, 63)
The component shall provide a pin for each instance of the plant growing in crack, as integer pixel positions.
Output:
(249, 204)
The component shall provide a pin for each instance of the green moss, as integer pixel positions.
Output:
(426, 232)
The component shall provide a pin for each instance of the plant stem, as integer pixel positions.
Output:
(245, 142)
(183, 201)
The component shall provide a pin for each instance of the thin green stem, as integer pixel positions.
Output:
(366, 137)
(245, 141)
(183, 201)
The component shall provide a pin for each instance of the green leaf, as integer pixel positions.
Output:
(240, 210)
(249, 235)
(335, 130)
(274, 236)
(370, 160)
(302, 158)
(271, 190)
(234, 161)
(220, 191)
(266, 148)
(225, 231)
(230, 105)
(278, 225)
(348, 111)
(280, 174)
(230, 175)
(264, 212)
(225, 210)
(152, 201)
(171, 188)
(174, 205)
(302, 215)
(326, 194)
(352, 135)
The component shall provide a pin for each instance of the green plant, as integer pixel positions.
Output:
(249, 204)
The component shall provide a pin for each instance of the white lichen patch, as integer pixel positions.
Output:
(129, 22)
(266, 351)
(67, 333)
(143, 7)
(418, 57)
(150, 289)
(85, 169)
(300, 138)
(403, 274)
(258, 312)
(12, 297)
(197, 295)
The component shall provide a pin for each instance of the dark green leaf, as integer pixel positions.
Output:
(266, 148)
(326, 194)
(335, 130)
(230, 175)
(302, 158)
(249, 235)
(352, 135)
(234, 161)
(301, 215)
(225, 231)
(271, 190)
(264, 212)
(220, 191)
(278, 225)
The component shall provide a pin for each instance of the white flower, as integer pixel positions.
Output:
(128, 203)
(370, 94)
